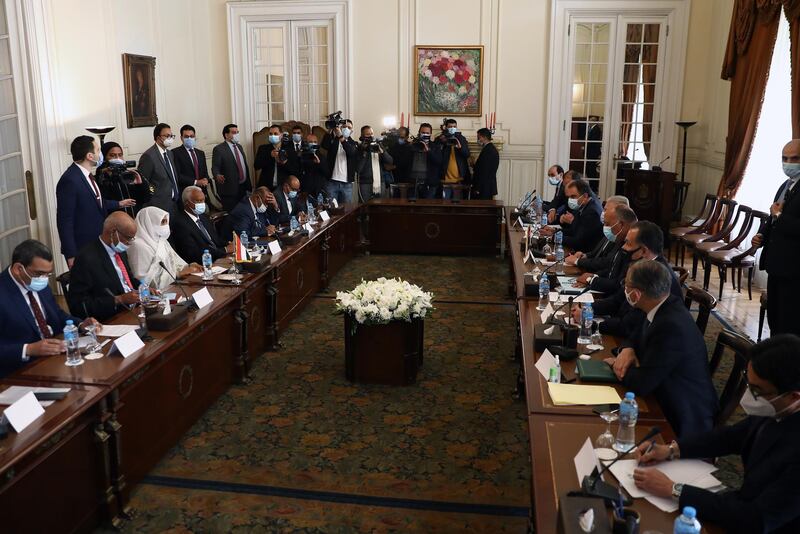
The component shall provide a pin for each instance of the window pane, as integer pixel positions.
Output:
(13, 212)
(320, 35)
(3, 24)
(276, 93)
(7, 104)
(5, 57)
(10, 242)
(9, 136)
(11, 175)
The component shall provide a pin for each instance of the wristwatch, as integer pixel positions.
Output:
(677, 489)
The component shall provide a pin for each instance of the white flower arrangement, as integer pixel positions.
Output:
(384, 300)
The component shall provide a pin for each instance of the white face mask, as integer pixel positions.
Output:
(162, 232)
(262, 208)
(553, 180)
(235, 138)
(168, 141)
(792, 170)
(761, 407)
(629, 298)
(573, 203)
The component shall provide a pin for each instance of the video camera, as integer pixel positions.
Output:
(449, 139)
(335, 119)
(309, 149)
(119, 173)
(371, 144)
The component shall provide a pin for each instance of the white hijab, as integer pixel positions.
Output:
(148, 249)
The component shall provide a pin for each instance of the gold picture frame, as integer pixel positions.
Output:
(448, 80)
(139, 73)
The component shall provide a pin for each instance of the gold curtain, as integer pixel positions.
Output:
(649, 55)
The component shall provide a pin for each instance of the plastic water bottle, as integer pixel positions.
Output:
(587, 317)
(144, 293)
(544, 220)
(244, 239)
(537, 206)
(555, 371)
(293, 224)
(71, 338)
(628, 415)
(544, 292)
(207, 261)
(559, 239)
(687, 522)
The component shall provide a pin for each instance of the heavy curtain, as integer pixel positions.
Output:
(792, 10)
(650, 58)
(630, 79)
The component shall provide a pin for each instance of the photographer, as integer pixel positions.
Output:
(401, 157)
(455, 154)
(372, 163)
(314, 174)
(426, 161)
(342, 157)
(118, 180)
(271, 160)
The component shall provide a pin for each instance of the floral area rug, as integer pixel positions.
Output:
(301, 449)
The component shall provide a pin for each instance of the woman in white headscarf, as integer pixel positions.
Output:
(151, 247)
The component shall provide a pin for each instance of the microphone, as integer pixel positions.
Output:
(658, 166)
(190, 304)
(592, 486)
(142, 331)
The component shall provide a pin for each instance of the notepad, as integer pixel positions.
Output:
(116, 330)
(581, 395)
(215, 270)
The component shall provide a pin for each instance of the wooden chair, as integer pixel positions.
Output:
(724, 208)
(722, 239)
(762, 313)
(717, 240)
(399, 190)
(735, 384)
(679, 195)
(460, 191)
(709, 203)
(734, 257)
(261, 137)
(682, 273)
(705, 301)
(63, 282)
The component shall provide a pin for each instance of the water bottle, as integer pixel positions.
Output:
(244, 239)
(544, 220)
(207, 261)
(144, 293)
(687, 522)
(320, 199)
(71, 338)
(587, 318)
(544, 292)
(628, 414)
(293, 224)
(555, 372)
(537, 205)
(559, 239)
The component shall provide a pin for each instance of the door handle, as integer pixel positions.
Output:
(31, 195)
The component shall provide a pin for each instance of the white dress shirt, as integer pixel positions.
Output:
(340, 168)
(652, 313)
(94, 188)
(24, 290)
(112, 255)
(288, 202)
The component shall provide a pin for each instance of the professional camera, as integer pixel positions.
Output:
(335, 119)
(371, 144)
(391, 136)
(309, 149)
(119, 173)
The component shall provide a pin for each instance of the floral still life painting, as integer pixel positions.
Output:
(448, 80)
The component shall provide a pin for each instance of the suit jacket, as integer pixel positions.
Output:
(586, 229)
(781, 254)
(462, 156)
(283, 215)
(224, 162)
(314, 176)
(92, 273)
(365, 165)
(79, 217)
(600, 257)
(609, 280)
(426, 167)
(153, 168)
(768, 500)
(293, 157)
(559, 199)
(17, 324)
(185, 168)
(484, 179)
(675, 369)
(401, 155)
(265, 163)
(189, 242)
(332, 146)
(242, 219)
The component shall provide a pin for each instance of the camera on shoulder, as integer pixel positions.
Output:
(334, 119)
(119, 173)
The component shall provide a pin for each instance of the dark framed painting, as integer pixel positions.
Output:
(448, 80)
(139, 73)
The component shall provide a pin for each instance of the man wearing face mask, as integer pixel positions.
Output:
(342, 154)
(117, 185)
(80, 207)
(294, 151)
(271, 160)
(667, 356)
(780, 236)
(455, 155)
(559, 205)
(768, 499)
(102, 282)
(289, 204)
(314, 177)
(252, 214)
(190, 161)
(401, 157)
(373, 160)
(585, 228)
(484, 177)
(157, 167)
(192, 231)
(618, 221)
(426, 160)
(229, 167)
(29, 314)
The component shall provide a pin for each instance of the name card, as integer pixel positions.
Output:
(586, 461)
(202, 298)
(308, 228)
(324, 216)
(546, 362)
(127, 344)
(24, 412)
(335, 203)
(274, 247)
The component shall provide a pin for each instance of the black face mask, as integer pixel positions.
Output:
(630, 253)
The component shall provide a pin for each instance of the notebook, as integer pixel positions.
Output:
(596, 371)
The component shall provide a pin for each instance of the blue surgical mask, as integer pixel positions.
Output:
(452, 131)
(401, 141)
(297, 138)
(292, 194)
(792, 170)
(99, 160)
(119, 246)
(609, 233)
(346, 132)
(37, 282)
(274, 139)
(199, 208)
(573, 203)
(553, 180)
(189, 142)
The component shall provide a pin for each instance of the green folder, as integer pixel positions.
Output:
(596, 371)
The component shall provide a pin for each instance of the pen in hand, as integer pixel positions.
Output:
(647, 451)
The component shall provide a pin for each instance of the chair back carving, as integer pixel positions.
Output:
(739, 346)
(705, 301)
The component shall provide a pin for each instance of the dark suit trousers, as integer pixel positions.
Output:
(780, 299)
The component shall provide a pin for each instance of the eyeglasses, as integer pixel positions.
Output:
(37, 274)
(171, 136)
(126, 238)
(754, 391)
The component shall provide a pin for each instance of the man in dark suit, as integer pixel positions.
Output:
(584, 229)
(157, 166)
(555, 175)
(29, 315)
(289, 204)
(667, 357)
(192, 232)
(190, 161)
(455, 156)
(272, 159)
(229, 167)
(558, 206)
(80, 208)
(342, 155)
(314, 172)
(102, 282)
(401, 157)
(294, 151)
(426, 163)
(252, 215)
(619, 219)
(769, 497)
(781, 239)
(484, 176)
(372, 159)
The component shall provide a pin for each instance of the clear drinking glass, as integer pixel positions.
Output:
(606, 439)
(94, 344)
(597, 337)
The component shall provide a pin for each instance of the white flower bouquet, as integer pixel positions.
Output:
(384, 300)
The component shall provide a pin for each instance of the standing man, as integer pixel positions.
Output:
(373, 159)
(157, 166)
(294, 151)
(342, 156)
(271, 159)
(455, 156)
(401, 157)
(780, 237)
(80, 208)
(426, 160)
(229, 167)
(484, 179)
(190, 161)
(314, 177)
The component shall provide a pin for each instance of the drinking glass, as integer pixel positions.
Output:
(606, 439)
(94, 345)
(597, 337)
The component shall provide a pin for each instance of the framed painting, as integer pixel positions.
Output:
(139, 73)
(448, 80)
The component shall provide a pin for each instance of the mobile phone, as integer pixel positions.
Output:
(601, 408)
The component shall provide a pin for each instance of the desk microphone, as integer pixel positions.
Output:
(658, 166)
(592, 486)
(190, 304)
(142, 331)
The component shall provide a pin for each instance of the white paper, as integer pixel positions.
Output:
(215, 270)
(545, 362)
(335, 203)
(116, 330)
(546, 263)
(693, 472)
(324, 216)
(546, 313)
(274, 246)
(586, 461)
(128, 344)
(14, 393)
(308, 228)
(566, 281)
(23, 412)
(202, 298)
(586, 297)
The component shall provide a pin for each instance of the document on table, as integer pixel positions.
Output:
(15, 393)
(215, 270)
(545, 362)
(116, 330)
(574, 394)
(692, 472)
(563, 297)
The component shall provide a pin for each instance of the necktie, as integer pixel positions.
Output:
(204, 231)
(44, 329)
(124, 271)
(171, 177)
(239, 163)
(96, 191)
(196, 166)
